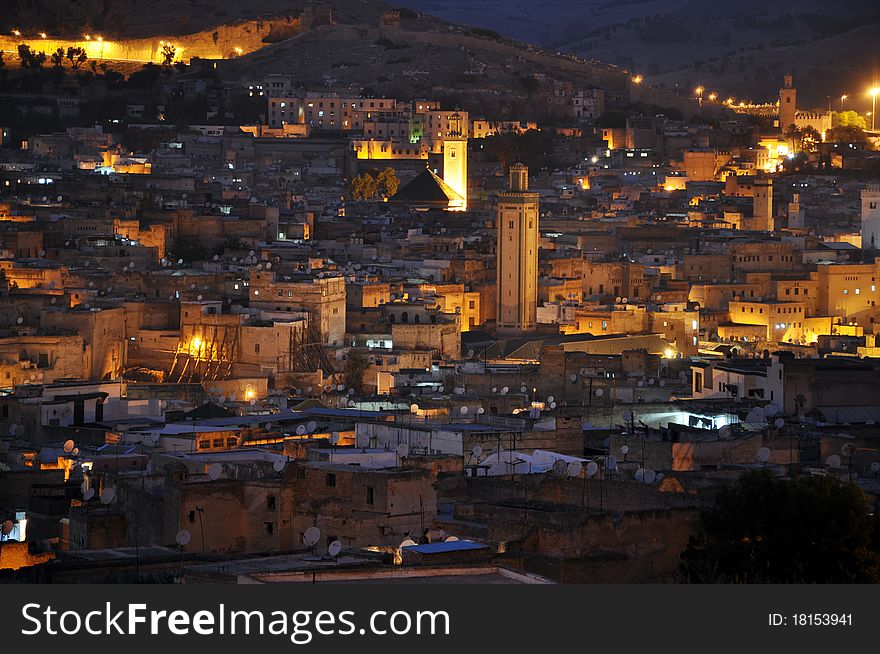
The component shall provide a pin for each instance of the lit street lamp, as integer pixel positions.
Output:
(842, 100)
(699, 91)
(874, 92)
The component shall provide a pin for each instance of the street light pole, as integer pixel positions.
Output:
(874, 92)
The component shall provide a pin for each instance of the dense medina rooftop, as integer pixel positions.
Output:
(257, 325)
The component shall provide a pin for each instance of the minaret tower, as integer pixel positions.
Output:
(517, 255)
(455, 157)
(787, 104)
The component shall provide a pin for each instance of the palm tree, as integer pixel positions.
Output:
(793, 134)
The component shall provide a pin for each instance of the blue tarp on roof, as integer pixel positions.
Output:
(440, 548)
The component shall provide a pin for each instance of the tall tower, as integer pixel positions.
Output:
(871, 218)
(455, 158)
(517, 255)
(795, 213)
(787, 103)
(762, 207)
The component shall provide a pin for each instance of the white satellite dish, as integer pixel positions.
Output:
(402, 450)
(108, 495)
(88, 493)
(624, 449)
(214, 471)
(650, 476)
(75, 451)
(481, 410)
(409, 542)
(550, 399)
(553, 405)
(779, 423)
(610, 462)
(463, 410)
(451, 539)
(334, 548)
(300, 430)
(311, 536)
(504, 390)
(311, 426)
(763, 454)
(523, 389)
(574, 469)
(833, 461)
(573, 378)
(279, 465)
(183, 537)
(334, 438)
(592, 468)
(756, 415)
(875, 466)
(599, 392)
(771, 410)
(847, 449)
(494, 389)
(476, 451)
(69, 445)
(640, 475)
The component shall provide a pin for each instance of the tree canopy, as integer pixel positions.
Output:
(802, 530)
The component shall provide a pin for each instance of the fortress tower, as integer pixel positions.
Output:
(871, 218)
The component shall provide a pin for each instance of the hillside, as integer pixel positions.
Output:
(678, 41)
(447, 63)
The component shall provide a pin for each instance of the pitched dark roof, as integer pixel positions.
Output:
(428, 190)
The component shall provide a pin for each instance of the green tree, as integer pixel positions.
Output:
(845, 134)
(810, 139)
(168, 54)
(769, 530)
(57, 58)
(77, 57)
(848, 119)
(364, 187)
(388, 182)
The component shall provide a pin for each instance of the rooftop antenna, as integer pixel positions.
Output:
(334, 441)
(590, 471)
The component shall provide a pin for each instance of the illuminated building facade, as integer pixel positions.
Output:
(455, 158)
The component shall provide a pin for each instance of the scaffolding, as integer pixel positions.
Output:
(204, 353)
